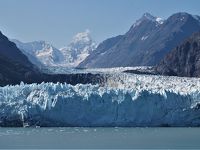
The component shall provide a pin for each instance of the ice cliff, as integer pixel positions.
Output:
(123, 100)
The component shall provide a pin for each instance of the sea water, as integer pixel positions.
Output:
(99, 138)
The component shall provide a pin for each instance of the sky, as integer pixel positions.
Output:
(57, 21)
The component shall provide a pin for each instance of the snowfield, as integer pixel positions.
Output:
(122, 100)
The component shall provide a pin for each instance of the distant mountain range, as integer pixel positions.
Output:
(145, 44)
(16, 67)
(42, 53)
(150, 41)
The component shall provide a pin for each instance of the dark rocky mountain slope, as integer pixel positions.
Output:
(145, 44)
(184, 60)
(15, 66)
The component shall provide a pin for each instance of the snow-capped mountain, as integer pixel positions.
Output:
(42, 53)
(145, 44)
(79, 48)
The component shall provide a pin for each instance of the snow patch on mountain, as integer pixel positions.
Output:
(144, 38)
(148, 16)
(159, 20)
(153, 18)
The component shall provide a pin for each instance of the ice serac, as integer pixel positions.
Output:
(145, 44)
(124, 100)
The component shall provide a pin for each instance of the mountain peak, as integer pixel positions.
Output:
(80, 47)
(145, 44)
(182, 15)
(150, 17)
(82, 37)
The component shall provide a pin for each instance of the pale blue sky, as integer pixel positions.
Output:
(57, 21)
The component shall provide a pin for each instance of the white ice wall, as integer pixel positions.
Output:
(124, 100)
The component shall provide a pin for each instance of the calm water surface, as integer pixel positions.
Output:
(100, 138)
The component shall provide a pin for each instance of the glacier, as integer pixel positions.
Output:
(121, 100)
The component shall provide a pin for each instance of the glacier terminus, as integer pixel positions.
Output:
(122, 99)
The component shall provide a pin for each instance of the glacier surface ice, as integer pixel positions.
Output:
(123, 100)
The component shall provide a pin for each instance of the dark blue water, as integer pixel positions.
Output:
(100, 138)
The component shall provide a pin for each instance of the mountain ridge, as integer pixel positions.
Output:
(146, 42)
(42, 53)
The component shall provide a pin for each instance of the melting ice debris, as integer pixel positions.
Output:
(124, 100)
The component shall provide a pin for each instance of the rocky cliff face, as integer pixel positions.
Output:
(184, 60)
